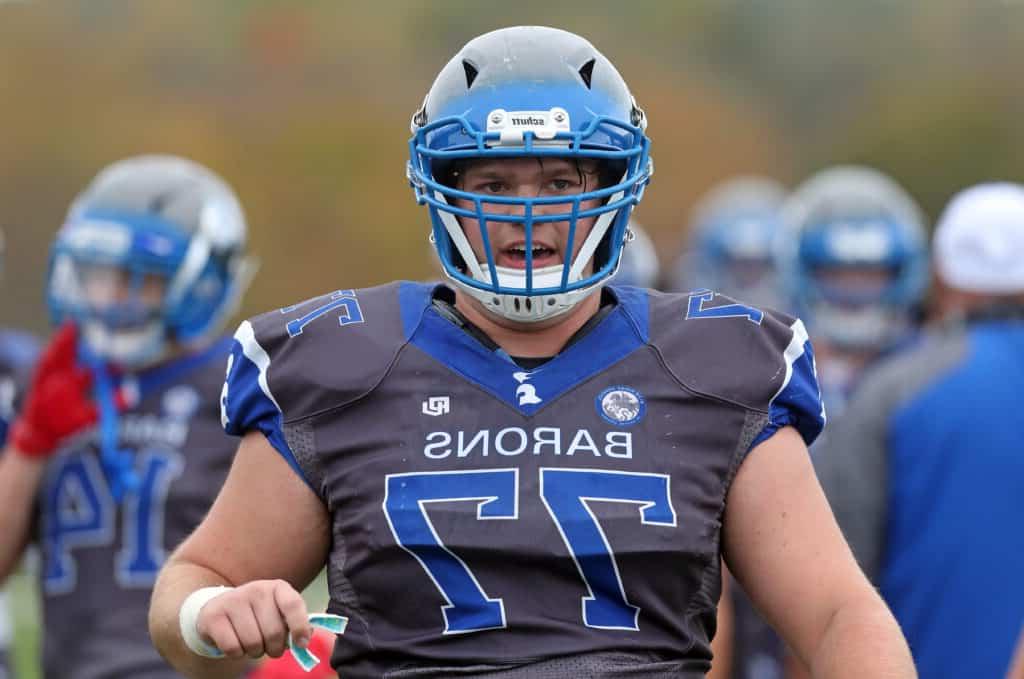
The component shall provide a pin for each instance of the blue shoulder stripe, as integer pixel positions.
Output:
(246, 401)
(797, 403)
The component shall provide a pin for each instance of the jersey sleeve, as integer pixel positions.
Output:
(293, 367)
(757, 359)
(246, 401)
(797, 402)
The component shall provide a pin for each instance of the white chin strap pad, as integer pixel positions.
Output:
(527, 308)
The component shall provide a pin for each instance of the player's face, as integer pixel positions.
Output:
(750, 272)
(858, 285)
(110, 286)
(528, 178)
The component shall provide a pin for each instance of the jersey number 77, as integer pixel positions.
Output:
(566, 494)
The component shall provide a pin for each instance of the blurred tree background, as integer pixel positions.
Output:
(304, 108)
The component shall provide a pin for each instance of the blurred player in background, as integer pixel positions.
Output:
(117, 451)
(638, 265)
(729, 245)
(521, 472)
(18, 351)
(924, 470)
(853, 260)
(851, 254)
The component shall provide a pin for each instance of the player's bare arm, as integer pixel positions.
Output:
(286, 545)
(785, 548)
(57, 406)
(722, 645)
(19, 480)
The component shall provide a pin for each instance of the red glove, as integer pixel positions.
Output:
(59, 402)
(285, 667)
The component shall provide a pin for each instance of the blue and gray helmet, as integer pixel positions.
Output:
(529, 91)
(853, 255)
(729, 247)
(149, 224)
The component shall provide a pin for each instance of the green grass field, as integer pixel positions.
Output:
(25, 610)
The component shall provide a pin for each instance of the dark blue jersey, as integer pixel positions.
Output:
(559, 521)
(100, 556)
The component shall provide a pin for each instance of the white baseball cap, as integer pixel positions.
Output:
(979, 240)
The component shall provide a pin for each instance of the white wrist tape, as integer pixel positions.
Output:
(188, 617)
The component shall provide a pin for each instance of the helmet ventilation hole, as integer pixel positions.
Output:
(471, 73)
(587, 72)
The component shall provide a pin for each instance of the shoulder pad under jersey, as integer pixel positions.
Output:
(758, 359)
(320, 354)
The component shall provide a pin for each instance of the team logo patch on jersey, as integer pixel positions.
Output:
(621, 405)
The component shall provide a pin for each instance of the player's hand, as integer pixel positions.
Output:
(286, 667)
(58, 403)
(255, 619)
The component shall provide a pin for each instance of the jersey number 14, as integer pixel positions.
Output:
(79, 511)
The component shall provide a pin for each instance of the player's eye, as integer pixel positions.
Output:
(562, 185)
(492, 187)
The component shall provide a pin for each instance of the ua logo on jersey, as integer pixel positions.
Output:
(437, 406)
(526, 393)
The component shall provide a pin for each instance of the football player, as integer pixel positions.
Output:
(117, 452)
(18, 352)
(522, 471)
(853, 258)
(729, 244)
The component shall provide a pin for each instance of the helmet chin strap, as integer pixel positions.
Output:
(118, 464)
(527, 308)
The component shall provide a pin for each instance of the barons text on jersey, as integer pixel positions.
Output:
(560, 521)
